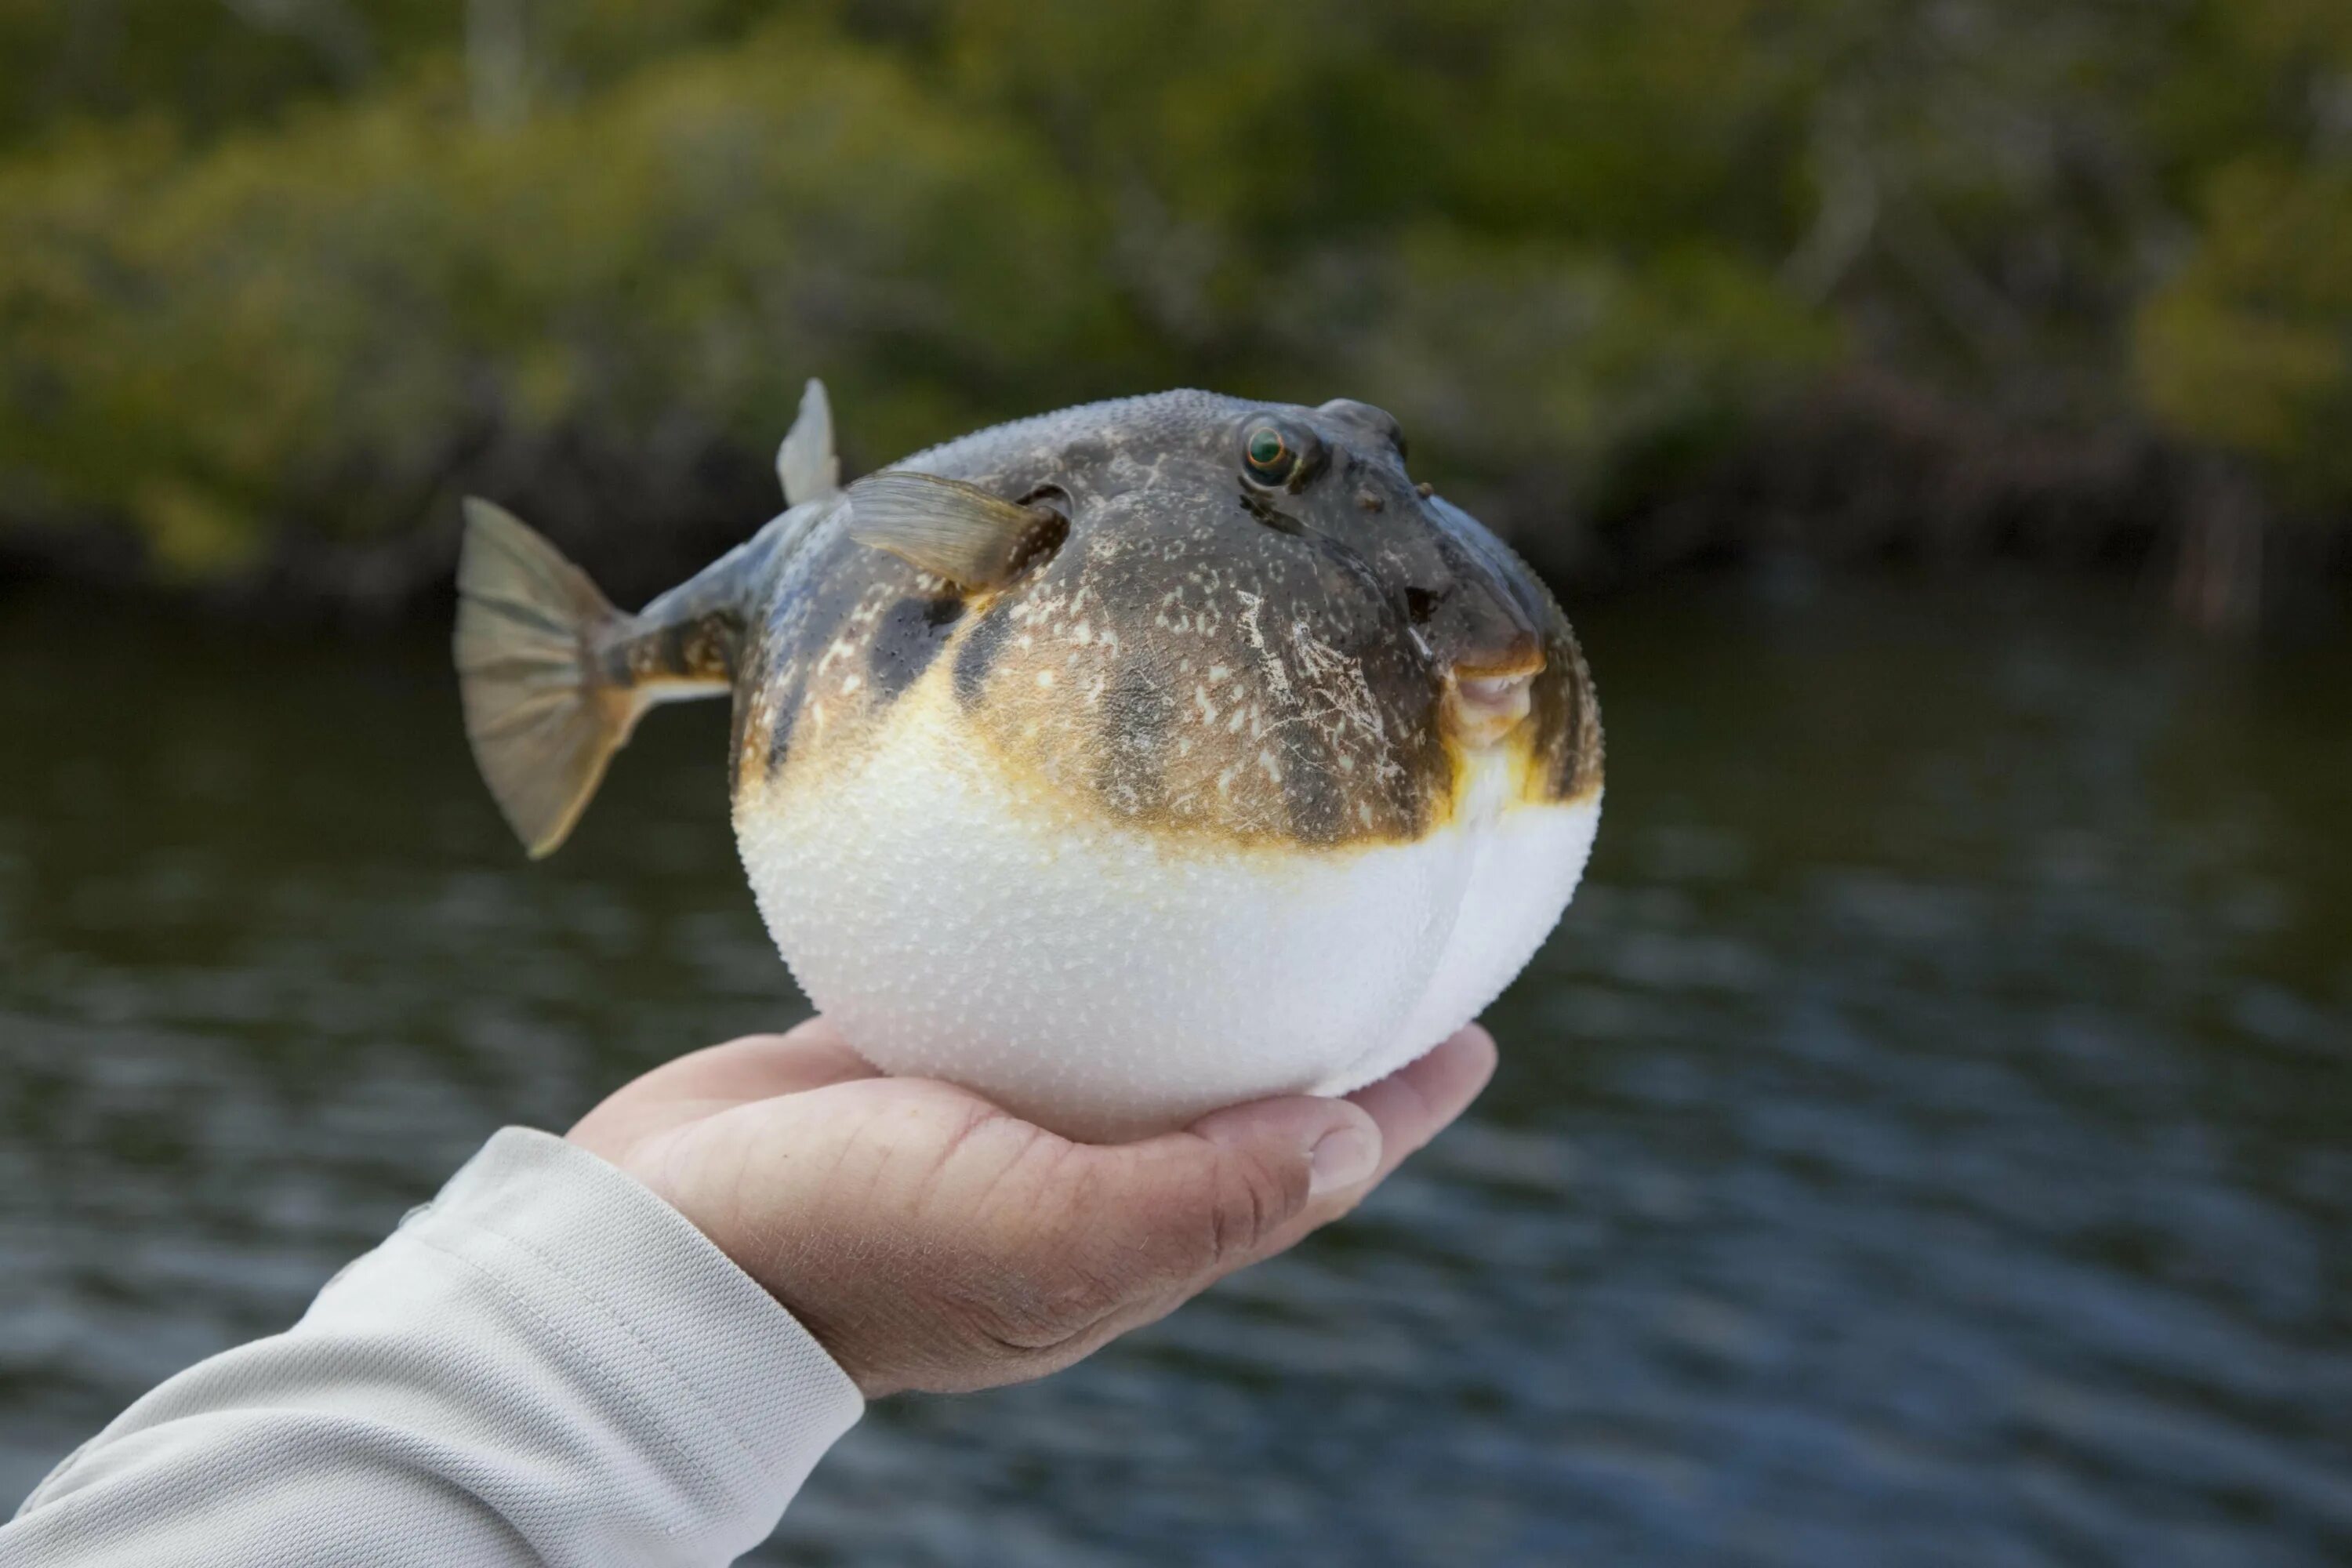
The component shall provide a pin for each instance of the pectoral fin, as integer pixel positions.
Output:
(806, 462)
(948, 528)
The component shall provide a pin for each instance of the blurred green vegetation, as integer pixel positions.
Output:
(279, 279)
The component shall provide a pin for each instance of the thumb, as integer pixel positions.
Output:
(1338, 1140)
(1188, 1206)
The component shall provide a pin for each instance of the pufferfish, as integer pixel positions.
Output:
(1119, 764)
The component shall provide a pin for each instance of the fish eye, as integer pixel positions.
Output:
(1271, 457)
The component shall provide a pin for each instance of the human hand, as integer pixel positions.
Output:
(932, 1240)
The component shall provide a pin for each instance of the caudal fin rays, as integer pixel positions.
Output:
(543, 719)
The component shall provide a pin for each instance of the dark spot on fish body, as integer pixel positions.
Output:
(772, 689)
(702, 650)
(739, 721)
(982, 642)
(801, 618)
(757, 755)
(789, 698)
(907, 638)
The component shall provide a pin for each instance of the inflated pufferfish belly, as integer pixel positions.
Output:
(1100, 979)
(1196, 755)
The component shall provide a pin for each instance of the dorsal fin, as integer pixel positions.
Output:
(806, 462)
(949, 527)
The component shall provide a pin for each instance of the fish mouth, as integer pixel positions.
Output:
(1483, 705)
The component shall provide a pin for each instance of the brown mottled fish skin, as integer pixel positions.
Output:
(691, 654)
(1202, 656)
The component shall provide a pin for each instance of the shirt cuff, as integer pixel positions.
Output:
(646, 1300)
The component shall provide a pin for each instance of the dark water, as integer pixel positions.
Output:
(1928, 1139)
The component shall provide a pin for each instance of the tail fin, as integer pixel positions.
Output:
(542, 715)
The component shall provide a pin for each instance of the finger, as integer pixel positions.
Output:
(1172, 1212)
(1421, 1099)
(1341, 1151)
(1408, 1107)
(758, 1066)
(1256, 1200)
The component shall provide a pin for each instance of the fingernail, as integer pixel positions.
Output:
(1341, 1158)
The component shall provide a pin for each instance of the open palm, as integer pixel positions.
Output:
(931, 1240)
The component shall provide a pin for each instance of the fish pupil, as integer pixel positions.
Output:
(1267, 448)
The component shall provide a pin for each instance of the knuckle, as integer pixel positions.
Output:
(1019, 1318)
(1013, 1336)
(1248, 1202)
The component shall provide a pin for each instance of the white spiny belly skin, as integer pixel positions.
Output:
(1106, 982)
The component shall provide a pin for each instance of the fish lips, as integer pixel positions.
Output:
(1481, 707)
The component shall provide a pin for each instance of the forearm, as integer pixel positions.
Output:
(546, 1364)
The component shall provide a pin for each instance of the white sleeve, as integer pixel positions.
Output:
(547, 1363)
